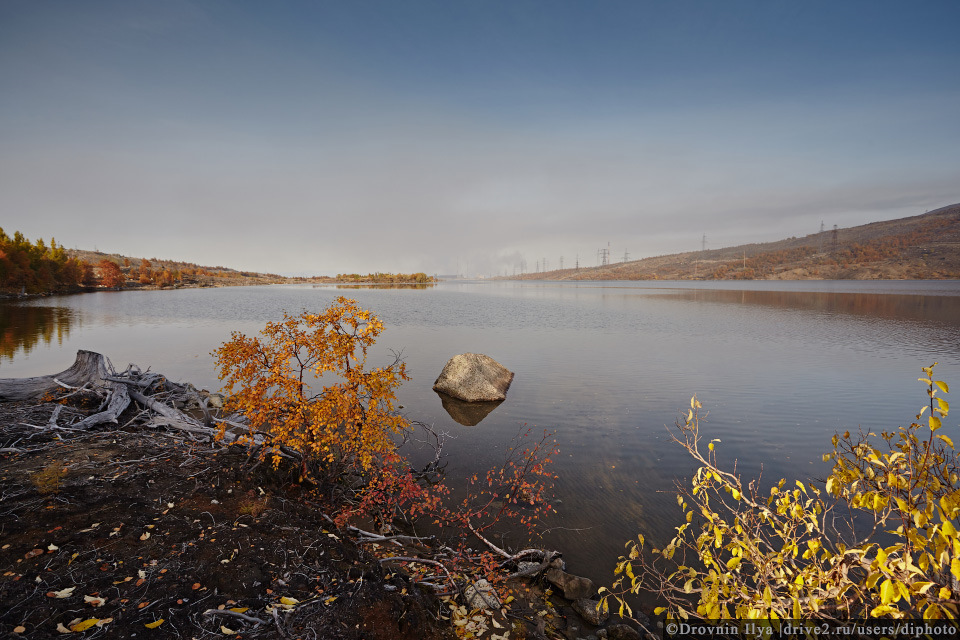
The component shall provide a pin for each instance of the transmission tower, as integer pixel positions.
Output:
(836, 238)
(626, 256)
(561, 263)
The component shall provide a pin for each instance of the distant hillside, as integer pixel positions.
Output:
(919, 247)
(153, 272)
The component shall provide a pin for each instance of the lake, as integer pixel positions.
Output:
(779, 366)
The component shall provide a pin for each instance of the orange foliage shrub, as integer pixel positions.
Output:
(349, 423)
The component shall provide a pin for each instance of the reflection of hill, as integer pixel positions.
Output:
(874, 306)
(24, 327)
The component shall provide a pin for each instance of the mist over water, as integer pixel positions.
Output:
(779, 367)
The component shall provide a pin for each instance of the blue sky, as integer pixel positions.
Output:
(323, 137)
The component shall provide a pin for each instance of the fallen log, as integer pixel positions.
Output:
(89, 367)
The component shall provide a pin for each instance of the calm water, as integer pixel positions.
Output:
(779, 366)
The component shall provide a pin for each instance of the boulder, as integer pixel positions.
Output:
(622, 632)
(574, 587)
(474, 377)
(481, 595)
(591, 611)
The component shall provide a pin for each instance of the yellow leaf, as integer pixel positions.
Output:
(288, 601)
(83, 626)
(227, 631)
(887, 592)
(733, 563)
(154, 625)
(947, 440)
(239, 609)
(943, 386)
(934, 423)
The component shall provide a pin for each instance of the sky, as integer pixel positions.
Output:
(469, 136)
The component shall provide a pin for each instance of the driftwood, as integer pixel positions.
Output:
(89, 367)
(92, 373)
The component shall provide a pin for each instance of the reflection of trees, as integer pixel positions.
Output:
(23, 328)
(408, 285)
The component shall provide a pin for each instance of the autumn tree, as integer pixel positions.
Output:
(792, 553)
(146, 272)
(347, 424)
(110, 274)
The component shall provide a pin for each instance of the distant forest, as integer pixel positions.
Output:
(31, 268)
(386, 278)
(35, 267)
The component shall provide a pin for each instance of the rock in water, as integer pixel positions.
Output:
(474, 377)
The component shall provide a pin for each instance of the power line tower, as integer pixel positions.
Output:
(603, 256)
(820, 239)
(561, 263)
(578, 262)
(545, 265)
(626, 255)
(703, 243)
(835, 239)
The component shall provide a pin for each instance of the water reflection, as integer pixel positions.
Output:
(891, 307)
(468, 414)
(377, 285)
(23, 328)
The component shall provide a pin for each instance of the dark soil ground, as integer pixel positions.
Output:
(132, 529)
(130, 532)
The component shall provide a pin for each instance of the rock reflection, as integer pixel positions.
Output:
(468, 414)
(23, 328)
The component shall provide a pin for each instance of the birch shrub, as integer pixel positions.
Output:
(347, 424)
(877, 538)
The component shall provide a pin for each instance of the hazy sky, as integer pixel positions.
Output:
(321, 137)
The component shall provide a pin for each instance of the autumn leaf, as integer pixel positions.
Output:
(86, 624)
(154, 625)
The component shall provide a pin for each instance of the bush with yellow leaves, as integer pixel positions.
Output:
(879, 538)
(347, 424)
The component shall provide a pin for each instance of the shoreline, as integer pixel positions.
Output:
(128, 525)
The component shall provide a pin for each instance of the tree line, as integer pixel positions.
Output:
(35, 267)
(419, 278)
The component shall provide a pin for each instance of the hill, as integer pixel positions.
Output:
(144, 272)
(919, 247)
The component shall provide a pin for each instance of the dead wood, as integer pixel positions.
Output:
(89, 367)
